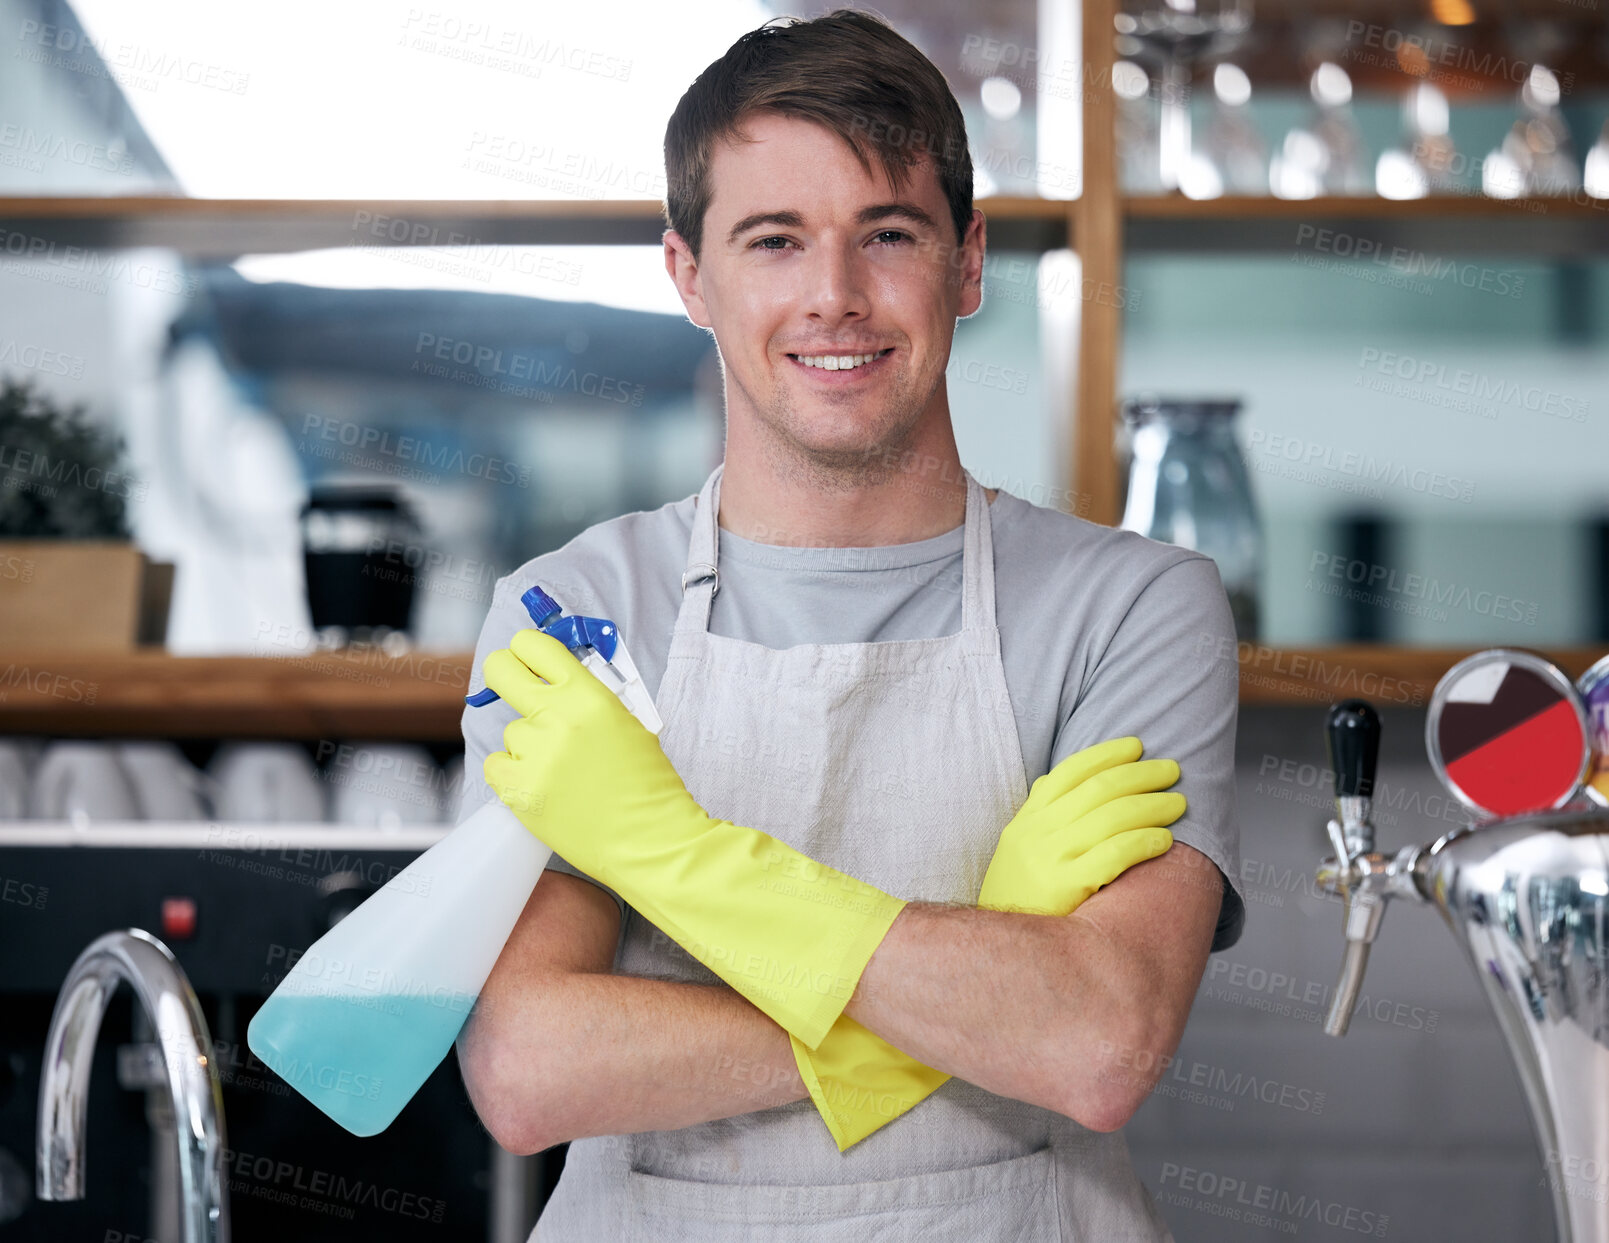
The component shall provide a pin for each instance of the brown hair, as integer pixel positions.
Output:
(849, 71)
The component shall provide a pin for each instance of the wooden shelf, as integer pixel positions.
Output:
(1390, 677)
(228, 228)
(1444, 224)
(1362, 206)
(345, 694)
(351, 695)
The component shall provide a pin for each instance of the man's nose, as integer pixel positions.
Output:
(837, 283)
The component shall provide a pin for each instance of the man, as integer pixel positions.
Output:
(858, 650)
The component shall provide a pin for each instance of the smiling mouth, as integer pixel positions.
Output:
(839, 362)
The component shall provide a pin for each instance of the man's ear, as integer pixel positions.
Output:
(971, 264)
(684, 274)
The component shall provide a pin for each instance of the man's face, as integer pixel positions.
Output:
(808, 256)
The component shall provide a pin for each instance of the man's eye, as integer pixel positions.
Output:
(898, 236)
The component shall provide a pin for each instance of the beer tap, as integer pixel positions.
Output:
(1360, 875)
(1523, 885)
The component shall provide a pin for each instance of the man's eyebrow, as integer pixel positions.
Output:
(866, 215)
(900, 210)
(787, 219)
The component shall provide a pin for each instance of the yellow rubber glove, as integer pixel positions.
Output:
(584, 775)
(1087, 821)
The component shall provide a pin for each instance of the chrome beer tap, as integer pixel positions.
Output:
(1525, 894)
(1362, 877)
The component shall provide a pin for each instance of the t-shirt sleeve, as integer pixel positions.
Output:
(1152, 682)
(483, 727)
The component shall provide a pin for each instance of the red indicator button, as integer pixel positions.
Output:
(179, 918)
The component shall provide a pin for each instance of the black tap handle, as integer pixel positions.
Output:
(1354, 728)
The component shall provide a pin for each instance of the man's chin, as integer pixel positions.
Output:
(855, 460)
(842, 441)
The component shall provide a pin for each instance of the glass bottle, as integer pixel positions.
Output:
(1188, 485)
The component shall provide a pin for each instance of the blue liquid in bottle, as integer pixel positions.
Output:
(374, 1050)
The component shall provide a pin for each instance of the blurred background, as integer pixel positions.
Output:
(315, 323)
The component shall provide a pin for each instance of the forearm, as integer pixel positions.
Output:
(979, 994)
(1033, 1007)
(577, 1055)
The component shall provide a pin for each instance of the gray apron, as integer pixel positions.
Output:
(898, 763)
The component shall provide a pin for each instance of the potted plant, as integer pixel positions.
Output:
(71, 577)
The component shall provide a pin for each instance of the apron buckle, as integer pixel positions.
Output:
(698, 573)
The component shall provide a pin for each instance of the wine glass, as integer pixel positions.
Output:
(1326, 156)
(1232, 158)
(1172, 35)
(1423, 163)
(1138, 153)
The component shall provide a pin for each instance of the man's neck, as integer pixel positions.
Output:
(905, 497)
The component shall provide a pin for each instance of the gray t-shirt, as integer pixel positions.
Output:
(1102, 634)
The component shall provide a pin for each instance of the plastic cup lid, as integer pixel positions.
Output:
(1507, 734)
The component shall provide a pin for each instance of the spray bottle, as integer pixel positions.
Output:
(373, 1006)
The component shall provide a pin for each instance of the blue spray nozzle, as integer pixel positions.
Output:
(574, 632)
(540, 606)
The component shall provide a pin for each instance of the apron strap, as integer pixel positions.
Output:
(977, 563)
(702, 575)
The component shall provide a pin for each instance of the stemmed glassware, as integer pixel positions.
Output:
(1171, 36)
(1423, 165)
(1536, 155)
(1163, 43)
(1325, 156)
(1232, 158)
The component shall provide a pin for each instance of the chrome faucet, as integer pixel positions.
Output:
(192, 1080)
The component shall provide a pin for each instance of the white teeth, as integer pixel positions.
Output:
(835, 362)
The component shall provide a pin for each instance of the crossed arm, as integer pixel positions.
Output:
(1065, 1013)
